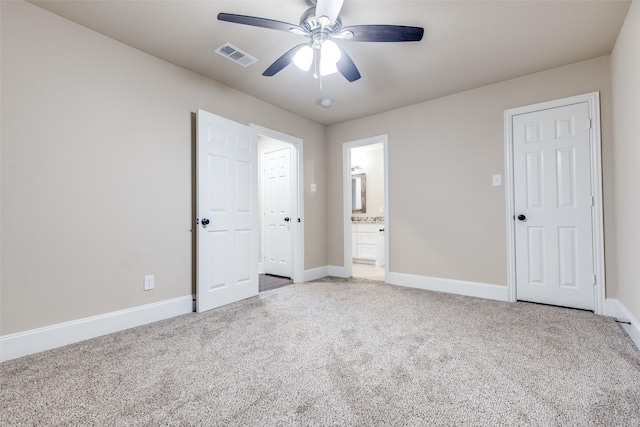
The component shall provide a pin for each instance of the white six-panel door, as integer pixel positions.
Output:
(554, 207)
(277, 205)
(227, 269)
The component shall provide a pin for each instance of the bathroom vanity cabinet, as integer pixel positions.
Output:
(368, 243)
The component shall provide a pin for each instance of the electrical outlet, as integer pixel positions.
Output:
(149, 282)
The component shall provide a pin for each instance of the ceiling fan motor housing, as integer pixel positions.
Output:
(311, 23)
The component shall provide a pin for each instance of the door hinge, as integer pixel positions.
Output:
(593, 201)
(590, 123)
(594, 279)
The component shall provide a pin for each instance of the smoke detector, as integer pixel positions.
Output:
(326, 102)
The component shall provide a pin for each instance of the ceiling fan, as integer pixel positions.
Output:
(322, 25)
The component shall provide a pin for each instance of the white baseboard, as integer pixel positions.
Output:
(459, 287)
(338, 271)
(615, 308)
(316, 273)
(260, 268)
(36, 340)
(324, 271)
(611, 308)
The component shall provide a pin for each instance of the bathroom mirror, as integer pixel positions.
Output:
(358, 193)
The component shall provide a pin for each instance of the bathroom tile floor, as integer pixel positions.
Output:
(367, 271)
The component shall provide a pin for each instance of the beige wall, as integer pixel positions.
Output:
(372, 163)
(97, 156)
(446, 218)
(625, 68)
(97, 178)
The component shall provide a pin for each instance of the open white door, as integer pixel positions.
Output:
(227, 224)
(278, 209)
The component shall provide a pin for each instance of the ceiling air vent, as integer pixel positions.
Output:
(236, 55)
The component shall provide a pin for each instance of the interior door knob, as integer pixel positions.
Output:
(522, 217)
(286, 219)
(204, 222)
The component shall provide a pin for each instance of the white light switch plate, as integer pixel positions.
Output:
(497, 180)
(313, 188)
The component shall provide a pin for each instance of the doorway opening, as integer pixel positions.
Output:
(281, 209)
(366, 208)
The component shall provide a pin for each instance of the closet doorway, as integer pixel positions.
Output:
(366, 208)
(281, 232)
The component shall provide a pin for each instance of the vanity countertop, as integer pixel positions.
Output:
(368, 219)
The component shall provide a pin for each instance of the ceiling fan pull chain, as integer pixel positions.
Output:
(316, 63)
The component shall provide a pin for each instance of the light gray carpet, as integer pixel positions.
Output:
(337, 352)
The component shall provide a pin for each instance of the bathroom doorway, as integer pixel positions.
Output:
(365, 192)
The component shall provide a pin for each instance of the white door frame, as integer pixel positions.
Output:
(297, 229)
(593, 99)
(346, 194)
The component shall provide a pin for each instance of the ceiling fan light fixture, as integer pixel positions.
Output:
(327, 68)
(330, 52)
(329, 56)
(303, 58)
(320, 23)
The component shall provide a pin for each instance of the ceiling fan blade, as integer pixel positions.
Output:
(283, 61)
(384, 33)
(258, 22)
(329, 8)
(347, 67)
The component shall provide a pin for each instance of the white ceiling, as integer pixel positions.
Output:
(467, 44)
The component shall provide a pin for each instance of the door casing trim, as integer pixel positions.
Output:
(593, 100)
